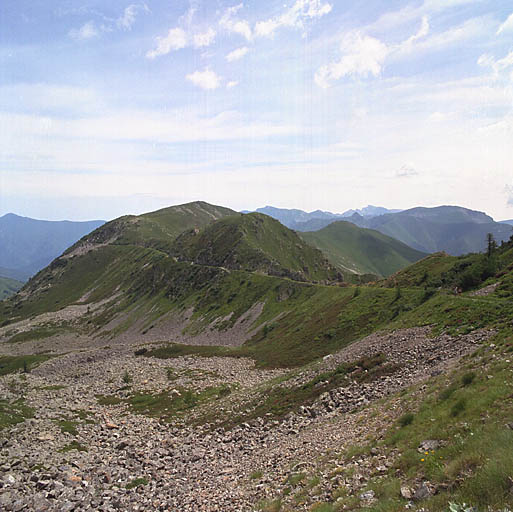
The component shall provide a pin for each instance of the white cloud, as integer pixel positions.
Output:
(237, 54)
(175, 40)
(232, 84)
(393, 19)
(204, 39)
(48, 134)
(362, 55)
(497, 65)
(232, 24)
(507, 25)
(469, 29)
(423, 31)
(127, 19)
(86, 31)
(206, 79)
(293, 17)
(406, 171)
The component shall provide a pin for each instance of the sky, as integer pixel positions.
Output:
(110, 108)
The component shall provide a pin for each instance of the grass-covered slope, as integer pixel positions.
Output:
(361, 250)
(295, 322)
(8, 287)
(256, 243)
(461, 273)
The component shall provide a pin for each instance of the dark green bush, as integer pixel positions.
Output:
(406, 419)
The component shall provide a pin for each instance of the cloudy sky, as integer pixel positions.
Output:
(108, 108)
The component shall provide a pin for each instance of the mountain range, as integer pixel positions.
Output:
(452, 229)
(300, 220)
(28, 245)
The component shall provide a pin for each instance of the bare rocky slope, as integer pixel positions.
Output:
(99, 439)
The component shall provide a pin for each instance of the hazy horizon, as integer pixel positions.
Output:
(312, 104)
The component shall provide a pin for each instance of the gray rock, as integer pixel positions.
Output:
(428, 445)
(406, 493)
(422, 492)
(367, 495)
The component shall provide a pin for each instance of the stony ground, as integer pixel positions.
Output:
(86, 448)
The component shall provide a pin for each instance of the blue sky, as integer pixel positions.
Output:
(108, 108)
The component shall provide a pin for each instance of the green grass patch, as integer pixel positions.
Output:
(38, 333)
(13, 364)
(167, 404)
(406, 419)
(13, 412)
(137, 482)
(74, 445)
(108, 400)
(175, 350)
(68, 427)
(55, 387)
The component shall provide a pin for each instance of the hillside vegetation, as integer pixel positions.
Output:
(363, 251)
(256, 243)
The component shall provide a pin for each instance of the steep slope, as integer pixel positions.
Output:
(256, 243)
(27, 245)
(360, 250)
(8, 287)
(452, 229)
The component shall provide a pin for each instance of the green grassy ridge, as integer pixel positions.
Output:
(300, 322)
(464, 273)
(257, 243)
(65, 281)
(363, 250)
(8, 287)
(155, 229)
